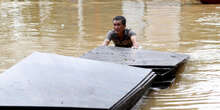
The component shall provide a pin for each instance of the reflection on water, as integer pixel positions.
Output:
(163, 20)
(73, 27)
(131, 8)
(197, 87)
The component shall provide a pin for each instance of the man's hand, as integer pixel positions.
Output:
(106, 42)
(134, 47)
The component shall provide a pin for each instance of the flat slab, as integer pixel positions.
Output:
(50, 80)
(135, 57)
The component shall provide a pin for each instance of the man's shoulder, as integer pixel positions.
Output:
(111, 35)
(129, 31)
(111, 32)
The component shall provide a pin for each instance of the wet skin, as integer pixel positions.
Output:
(118, 27)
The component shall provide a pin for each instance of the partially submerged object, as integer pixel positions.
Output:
(210, 1)
(106, 78)
(164, 64)
(53, 82)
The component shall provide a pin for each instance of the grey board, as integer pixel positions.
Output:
(136, 57)
(44, 80)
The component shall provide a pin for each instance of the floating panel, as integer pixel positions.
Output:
(135, 57)
(53, 81)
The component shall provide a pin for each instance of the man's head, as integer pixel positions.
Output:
(120, 18)
(119, 23)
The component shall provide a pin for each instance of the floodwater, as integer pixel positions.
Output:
(73, 27)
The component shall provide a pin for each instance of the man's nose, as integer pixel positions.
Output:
(116, 26)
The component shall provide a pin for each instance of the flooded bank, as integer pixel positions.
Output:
(73, 27)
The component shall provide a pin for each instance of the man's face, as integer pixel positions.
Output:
(118, 26)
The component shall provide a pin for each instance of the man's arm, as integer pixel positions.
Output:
(134, 42)
(106, 42)
(107, 39)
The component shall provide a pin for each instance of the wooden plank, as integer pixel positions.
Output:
(50, 81)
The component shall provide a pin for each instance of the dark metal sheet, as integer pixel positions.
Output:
(136, 57)
(50, 80)
(126, 103)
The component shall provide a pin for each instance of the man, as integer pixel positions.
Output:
(120, 35)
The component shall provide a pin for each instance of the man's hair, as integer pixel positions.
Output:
(121, 18)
